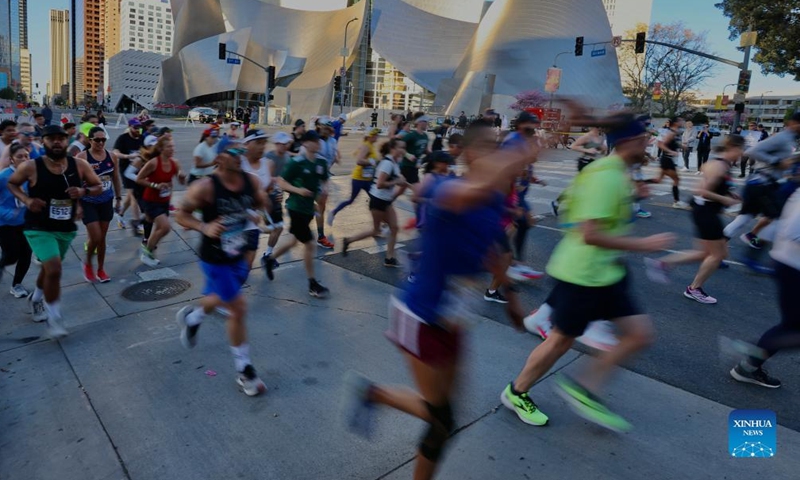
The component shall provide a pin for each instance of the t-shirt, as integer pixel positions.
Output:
(416, 144)
(328, 149)
(304, 173)
(207, 153)
(280, 161)
(127, 145)
(389, 167)
(77, 144)
(337, 129)
(602, 192)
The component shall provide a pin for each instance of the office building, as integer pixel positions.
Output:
(94, 56)
(146, 25)
(59, 52)
(25, 82)
(133, 77)
(626, 15)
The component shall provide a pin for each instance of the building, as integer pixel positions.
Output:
(26, 84)
(146, 25)
(768, 110)
(111, 38)
(12, 26)
(77, 51)
(133, 77)
(59, 52)
(626, 15)
(94, 56)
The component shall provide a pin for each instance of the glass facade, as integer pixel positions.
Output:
(78, 53)
(5, 43)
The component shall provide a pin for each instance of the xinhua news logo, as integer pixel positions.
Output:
(752, 434)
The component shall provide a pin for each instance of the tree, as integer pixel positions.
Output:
(726, 118)
(699, 118)
(778, 26)
(8, 93)
(529, 99)
(790, 111)
(678, 72)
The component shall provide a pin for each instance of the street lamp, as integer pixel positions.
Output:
(761, 105)
(723, 96)
(344, 66)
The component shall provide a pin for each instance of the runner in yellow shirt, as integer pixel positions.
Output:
(367, 158)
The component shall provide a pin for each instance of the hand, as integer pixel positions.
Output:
(655, 243)
(592, 151)
(212, 230)
(76, 192)
(35, 205)
(304, 192)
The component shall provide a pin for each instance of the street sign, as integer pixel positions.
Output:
(656, 90)
(235, 61)
(738, 98)
(718, 103)
(553, 80)
(599, 52)
(616, 42)
(748, 39)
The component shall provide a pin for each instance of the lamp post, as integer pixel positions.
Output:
(344, 66)
(761, 106)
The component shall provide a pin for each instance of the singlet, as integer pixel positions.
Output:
(59, 213)
(366, 173)
(723, 188)
(154, 195)
(231, 208)
(104, 170)
(591, 144)
(672, 145)
(386, 194)
(262, 172)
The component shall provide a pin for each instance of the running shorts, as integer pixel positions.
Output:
(667, 163)
(583, 162)
(431, 344)
(575, 306)
(707, 222)
(224, 280)
(761, 199)
(410, 173)
(49, 245)
(154, 209)
(300, 226)
(277, 208)
(378, 204)
(97, 212)
(251, 236)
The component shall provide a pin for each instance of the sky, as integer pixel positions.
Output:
(698, 15)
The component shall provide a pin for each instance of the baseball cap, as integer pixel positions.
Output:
(211, 132)
(525, 117)
(310, 136)
(282, 137)
(299, 123)
(326, 122)
(440, 156)
(134, 122)
(255, 134)
(53, 130)
(235, 124)
(226, 144)
(628, 128)
(150, 140)
(374, 131)
(161, 131)
(342, 116)
(148, 122)
(423, 118)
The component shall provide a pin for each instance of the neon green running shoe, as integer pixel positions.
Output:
(523, 406)
(588, 406)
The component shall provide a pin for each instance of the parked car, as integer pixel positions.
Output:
(203, 114)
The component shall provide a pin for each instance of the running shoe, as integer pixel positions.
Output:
(751, 240)
(656, 270)
(88, 273)
(496, 297)
(391, 262)
(724, 265)
(554, 206)
(680, 204)
(698, 295)
(756, 267)
(588, 406)
(345, 246)
(523, 406)
(758, 376)
(643, 214)
(523, 273)
(331, 216)
(37, 309)
(188, 333)
(357, 410)
(249, 381)
(120, 223)
(538, 323)
(315, 289)
(19, 291)
(599, 335)
(55, 329)
(103, 277)
(324, 243)
(148, 258)
(412, 278)
(269, 266)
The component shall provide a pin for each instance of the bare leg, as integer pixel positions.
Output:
(542, 359)
(161, 229)
(237, 330)
(760, 225)
(309, 249)
(717, 251)
(51, 276)
(391, 218)
(93, 242)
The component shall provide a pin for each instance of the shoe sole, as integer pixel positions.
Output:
(690, 297)
(507, 403)
(387, 265)
(577, 407)
(489, 299)
(24, 295)
(318, 295)
(260, 388)
(104, 281)
(742, 379)
(746, 241)
(180, 317)
(324, 246)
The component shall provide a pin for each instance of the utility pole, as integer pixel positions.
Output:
(343, 72)
(225, 54)
(737, 116)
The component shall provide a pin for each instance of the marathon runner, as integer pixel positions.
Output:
(55, 183)
(25, 136)
(205, 155)
(277, 160)
(8, 133)
(329, 150)
(669, 145)
(127, 149)
(254, 162)
(224, 198)
(298, 131)
(363, 173)
(80, 144)
(590, 144)
(12, 225)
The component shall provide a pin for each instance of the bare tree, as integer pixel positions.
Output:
(678, 72)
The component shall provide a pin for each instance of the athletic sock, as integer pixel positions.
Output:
(53, 309)
(514, 390)
(320, 232)
(676, 193)
(241, 356)
(148, 228)
(38, 295)
(195, 317)
(492, 292)
(269, 250)
(636, 206)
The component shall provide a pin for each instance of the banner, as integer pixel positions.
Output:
(718, 103)
(553, 80)
(657, 91)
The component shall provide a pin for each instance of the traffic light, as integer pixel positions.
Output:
(271, 77)
(271, 97)
(640, 38)
(337, 83)
(743, 85)
(578, 46)
(222, 51)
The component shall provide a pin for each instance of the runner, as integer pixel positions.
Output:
(80, 144)
(389, 184)
(668, 146)
(329, 150)
(55, 183)
(417, 145)
(156, 176)
(425, 322)
(25, 136)
(224, 198)
(205, 154)
(298, 131)
(277, 160)
(592, 281)
(98, 210)
(590, 144)
(366, 159)
(712, 195)
(8, 133)
(338, 124)
(127, 149)
(254, 162)
(233, 132)
(12, 226)
(302, 178)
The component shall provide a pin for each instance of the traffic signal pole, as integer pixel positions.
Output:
(268, 71)
(737, 116)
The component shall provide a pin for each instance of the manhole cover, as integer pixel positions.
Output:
(156, 290)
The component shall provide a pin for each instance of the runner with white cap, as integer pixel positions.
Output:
(254, 162)
(276, 160)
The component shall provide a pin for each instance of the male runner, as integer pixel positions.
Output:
(329, 150)
(55, 183)
(127, 149)
(224, 199)
(254, 162)
(277, 160)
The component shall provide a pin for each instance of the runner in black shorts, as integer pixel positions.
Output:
(713, 194)
(126, 149)
(669, 145)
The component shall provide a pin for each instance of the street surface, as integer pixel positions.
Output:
(121, 399)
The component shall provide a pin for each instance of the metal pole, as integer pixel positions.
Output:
(344, 67)
(266, 97)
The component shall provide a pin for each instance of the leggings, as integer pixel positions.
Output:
(15, 250)
(785, 335)
(358, 185)
(702, 157)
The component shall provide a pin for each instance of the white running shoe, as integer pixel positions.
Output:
(55, 329)
(19, 291)
(599, 335)
(700, 296)
(656, 270)
(680, 204)
(523, 273)
(329, 221)
(37, 309)
(250, 383)
(538, 322)
(148, 258)
(188, 333)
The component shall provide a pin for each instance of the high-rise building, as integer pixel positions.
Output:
(146, 25)
(59, 51)
(26, 84)
(93, 41)
(77, 51)
(112, 28)
(625, 15)
(10, 30)
(23, 23)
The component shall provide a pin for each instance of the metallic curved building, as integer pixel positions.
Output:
(471, 53)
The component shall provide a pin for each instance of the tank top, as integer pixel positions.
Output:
(231, 208)
(589, 145)
(366, 173)
(59, 213)
(262, 172)
(105, 170)
(672, 145)
(155, 195)
(723, 188)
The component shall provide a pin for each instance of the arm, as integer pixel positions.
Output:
(198, 196)
(5, 158)
(662, 144)
(18, 178)
(361, 156)
(115, 179)
(287, 177)
(578, 145)
(146, 171)
(771, 150)
(93, 184)
(7, 213)
(593, 235)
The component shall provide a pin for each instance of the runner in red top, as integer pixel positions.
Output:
(156, 176)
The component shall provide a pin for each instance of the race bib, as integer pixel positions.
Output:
(165, 193)
(106, 179)
(233, 240)
(60, 209)
(368, 172)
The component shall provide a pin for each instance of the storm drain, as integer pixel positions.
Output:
(156, 290)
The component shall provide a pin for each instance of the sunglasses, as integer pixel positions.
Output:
(99, 140)
(28, 134)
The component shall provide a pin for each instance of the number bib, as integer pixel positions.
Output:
(165, 193)
(233, 240)
(60, 209)
(106, 179)
(367, 172)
